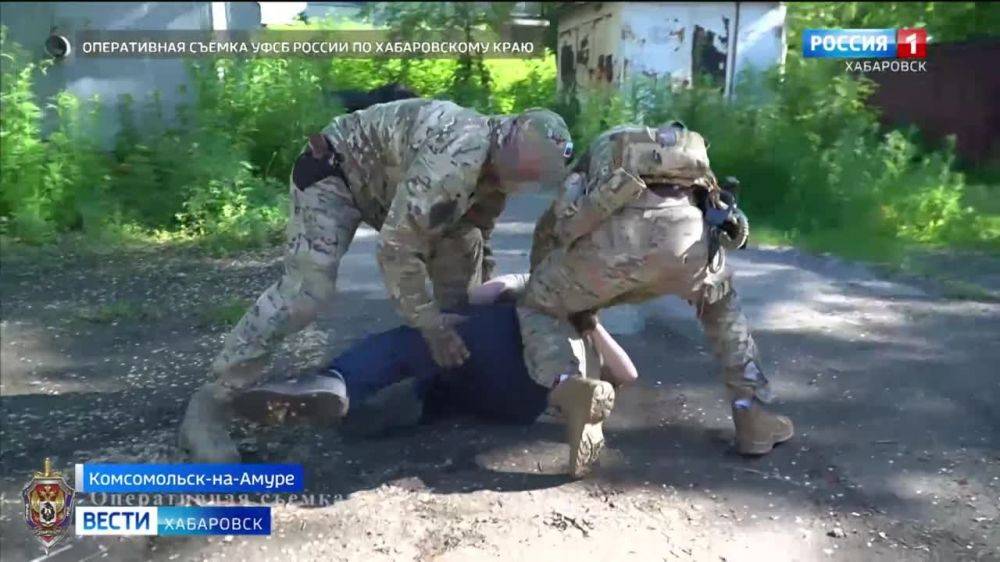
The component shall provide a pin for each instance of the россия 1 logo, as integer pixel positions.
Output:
(865, 43)
(888, 45)
(911, 44)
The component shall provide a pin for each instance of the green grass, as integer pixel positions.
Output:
(982, 196)
(842, 242)
(854, 246)
(963, 290)
(768, 236)
(225, 314)
(118, 311)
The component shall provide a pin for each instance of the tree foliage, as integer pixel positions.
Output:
(465, 21)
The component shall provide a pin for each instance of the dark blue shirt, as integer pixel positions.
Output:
(493, 383)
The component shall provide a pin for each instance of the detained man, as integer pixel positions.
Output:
(396, 367)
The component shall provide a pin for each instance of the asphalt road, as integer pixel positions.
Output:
(893, 386)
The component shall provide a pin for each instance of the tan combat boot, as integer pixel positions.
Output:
(584, 404)
(204, 433)
(757, 430)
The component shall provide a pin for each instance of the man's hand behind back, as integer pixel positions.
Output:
(446, 346)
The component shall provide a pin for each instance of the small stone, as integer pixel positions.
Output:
(836, 533)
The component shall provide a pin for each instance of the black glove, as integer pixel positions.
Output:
(735, 231)
(584, 322)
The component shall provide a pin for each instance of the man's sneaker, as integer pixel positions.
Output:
(757, 430)
(396, 406)
(584, 403)
(204, 433)
(318, 400)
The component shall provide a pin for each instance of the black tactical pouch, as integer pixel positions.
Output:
(319, 161)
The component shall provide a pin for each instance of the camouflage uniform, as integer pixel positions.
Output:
(413, 171)
(609, 240)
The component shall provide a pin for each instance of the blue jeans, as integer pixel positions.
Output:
(493, 383)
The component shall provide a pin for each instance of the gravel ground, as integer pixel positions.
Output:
(892, 384)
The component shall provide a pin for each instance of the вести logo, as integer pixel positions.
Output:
(48, 505)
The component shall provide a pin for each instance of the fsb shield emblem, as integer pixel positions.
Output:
(48, 506)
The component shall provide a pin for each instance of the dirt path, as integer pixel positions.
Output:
(894, 390)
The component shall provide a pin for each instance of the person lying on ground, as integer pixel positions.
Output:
(389, 380)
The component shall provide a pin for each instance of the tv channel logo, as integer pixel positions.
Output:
(127, 521)
(167, 521)
(911, 43)
(864, 43)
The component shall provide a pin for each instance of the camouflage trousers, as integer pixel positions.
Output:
(638, 254)
(324, 219)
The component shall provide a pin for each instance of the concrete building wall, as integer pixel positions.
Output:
(657, 40)
(588, 37)
(762, 40)
(611, 43)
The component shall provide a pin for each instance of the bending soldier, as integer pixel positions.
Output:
(432, 177)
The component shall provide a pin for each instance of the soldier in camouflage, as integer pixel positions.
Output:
(625, 229)
(431, 177)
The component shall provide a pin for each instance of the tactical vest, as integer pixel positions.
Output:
(668, 156)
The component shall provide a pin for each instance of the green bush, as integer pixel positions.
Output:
(267, 105)
(211, 177)
(220, 172)
(49, 184)
(245, 208)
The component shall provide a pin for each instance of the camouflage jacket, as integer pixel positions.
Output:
(594, 191)
(414, 168)
(612, 174)
(612, 238)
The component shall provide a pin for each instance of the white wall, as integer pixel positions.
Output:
(591, 29)
(280, 12)
(762, 35)
(656, 39)
(334, 10)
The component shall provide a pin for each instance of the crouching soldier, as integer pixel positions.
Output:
(641, 216)
(431, 177)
